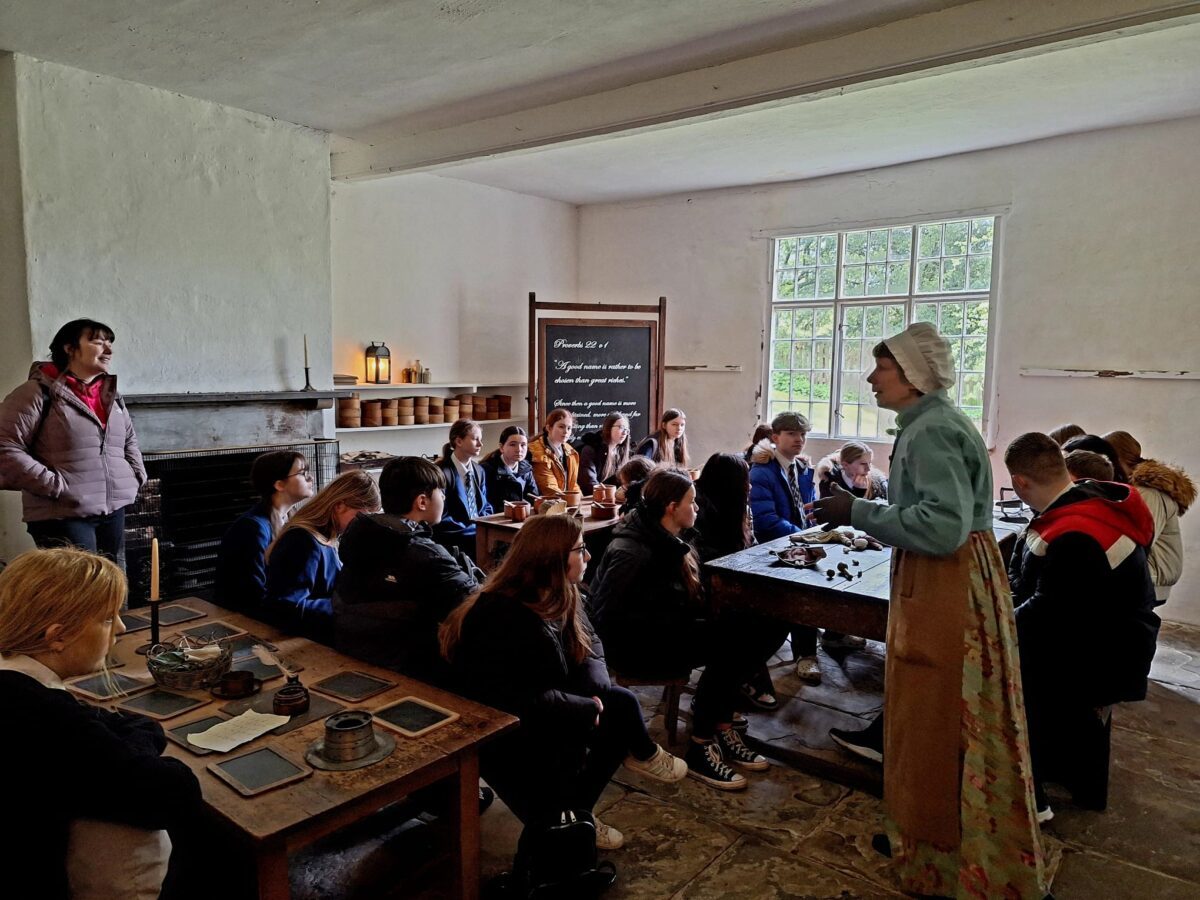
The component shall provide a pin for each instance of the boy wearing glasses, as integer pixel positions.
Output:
(282, 479)
(397, 584)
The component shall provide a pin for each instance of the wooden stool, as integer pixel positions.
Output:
(673, 689)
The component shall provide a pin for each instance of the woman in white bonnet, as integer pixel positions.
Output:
(958, 783)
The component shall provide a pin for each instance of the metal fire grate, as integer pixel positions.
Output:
(190, 499)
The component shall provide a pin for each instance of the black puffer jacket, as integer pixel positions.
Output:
(1083, 597)
(510, 658)
(395, 588)
(503, 485)
(638, 589)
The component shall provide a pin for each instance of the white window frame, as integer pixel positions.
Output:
(911, 299)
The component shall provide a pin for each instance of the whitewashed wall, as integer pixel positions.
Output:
(200, 233)
(1098, 269)
(441, 270)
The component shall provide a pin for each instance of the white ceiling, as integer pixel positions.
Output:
(366, 68)
(380, 70)
(1139, 78)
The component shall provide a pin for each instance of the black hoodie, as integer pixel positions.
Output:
(396, 586)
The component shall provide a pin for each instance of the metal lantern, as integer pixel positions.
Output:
(379, 364)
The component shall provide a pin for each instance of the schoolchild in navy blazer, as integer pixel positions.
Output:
(508, 474)
(466, 487)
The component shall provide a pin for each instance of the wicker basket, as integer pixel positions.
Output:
(194, 676)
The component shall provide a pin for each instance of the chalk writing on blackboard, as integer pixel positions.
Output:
(594, 369)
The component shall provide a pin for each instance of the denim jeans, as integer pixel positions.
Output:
(99, 534)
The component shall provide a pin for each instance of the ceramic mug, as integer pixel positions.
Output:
(237, 683)
(610, 493)
(518, 512)
(572, 498)
(598, 493)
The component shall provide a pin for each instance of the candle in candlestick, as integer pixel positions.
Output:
(153, 569)
(306, 351)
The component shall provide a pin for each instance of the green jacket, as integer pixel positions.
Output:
(940, 483)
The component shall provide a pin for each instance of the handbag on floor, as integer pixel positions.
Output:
(556, 860)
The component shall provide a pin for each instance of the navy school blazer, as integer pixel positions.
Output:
(456, 523)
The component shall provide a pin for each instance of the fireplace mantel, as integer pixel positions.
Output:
(310, 399)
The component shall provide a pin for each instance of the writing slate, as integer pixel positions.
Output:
(105, 686)
(597, 366)
(258, 771)
(413, 716)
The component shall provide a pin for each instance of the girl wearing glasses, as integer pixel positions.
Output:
(528, 625)
(303, 562)
(604, 452)
(282, 479)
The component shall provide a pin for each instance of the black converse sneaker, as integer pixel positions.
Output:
(737, 753)
(706, 764)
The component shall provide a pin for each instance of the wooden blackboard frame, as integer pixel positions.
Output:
(599, 315)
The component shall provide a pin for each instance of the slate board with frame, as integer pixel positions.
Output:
(595, 365)
(352, 686)
(259, 770)
(179, 734)
(413, 717)
(97, 687)
(160, 704)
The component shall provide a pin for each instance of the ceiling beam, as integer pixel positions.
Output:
(961, 36)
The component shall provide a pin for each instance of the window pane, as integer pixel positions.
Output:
(785, 255)
(955, 241)
(783, 323)
(929, 279)
(851, 360)
(779, 386)
(801, 386)
(853, 281)
(826, 282)
(951, 319)
(868, 422)
(785, 288)
(979, 273)
(852, 322)
(822, 356)
(827, 250)
(954, 274)
(823, 322)
(781, 355)
(807, 247)
(926, 312)
(901, 246)
(803, 327)
(802, 355)
(874, 321)
(897, 277)
(895, 320)
(981, 235)
(877, 246)
(974, 354)
(856, 247)
(876, 280)
(929, 241)
(977, 317)
(972, 390)
(806, 284)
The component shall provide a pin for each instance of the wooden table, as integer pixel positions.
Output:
(491, 531)
(281, 820)
(751, 579)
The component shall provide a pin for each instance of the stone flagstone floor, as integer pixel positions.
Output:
(797, 835)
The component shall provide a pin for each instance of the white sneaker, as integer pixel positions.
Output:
(808, 670)
(607, 837)
(1045, 814)
(662, 766)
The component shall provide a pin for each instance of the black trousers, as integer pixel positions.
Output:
(538, 775)
(731, 647)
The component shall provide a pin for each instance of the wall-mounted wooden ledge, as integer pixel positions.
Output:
(1173, 374)
(312, 399)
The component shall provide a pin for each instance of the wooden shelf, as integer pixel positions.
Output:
(223, 398)
(428, 425)
(471, 386)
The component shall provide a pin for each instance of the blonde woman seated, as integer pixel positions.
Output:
(88, 795)
(303, 562)
(850, 468)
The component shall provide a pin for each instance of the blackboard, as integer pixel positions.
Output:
(596, 366)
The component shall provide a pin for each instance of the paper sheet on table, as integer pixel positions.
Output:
(236, 731)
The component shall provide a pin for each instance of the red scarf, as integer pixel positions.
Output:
(88, 393)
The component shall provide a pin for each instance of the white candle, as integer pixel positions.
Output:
(306, 351)
(154, 569)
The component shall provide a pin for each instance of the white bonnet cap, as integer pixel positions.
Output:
(924, 355)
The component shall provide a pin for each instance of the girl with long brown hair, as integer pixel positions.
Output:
(524, 644)
(669, 443)
(94, 799)
(303, 562)
(604, 452)
(649, 606)
(555, 462)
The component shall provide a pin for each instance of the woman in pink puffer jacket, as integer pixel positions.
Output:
(67, 444)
